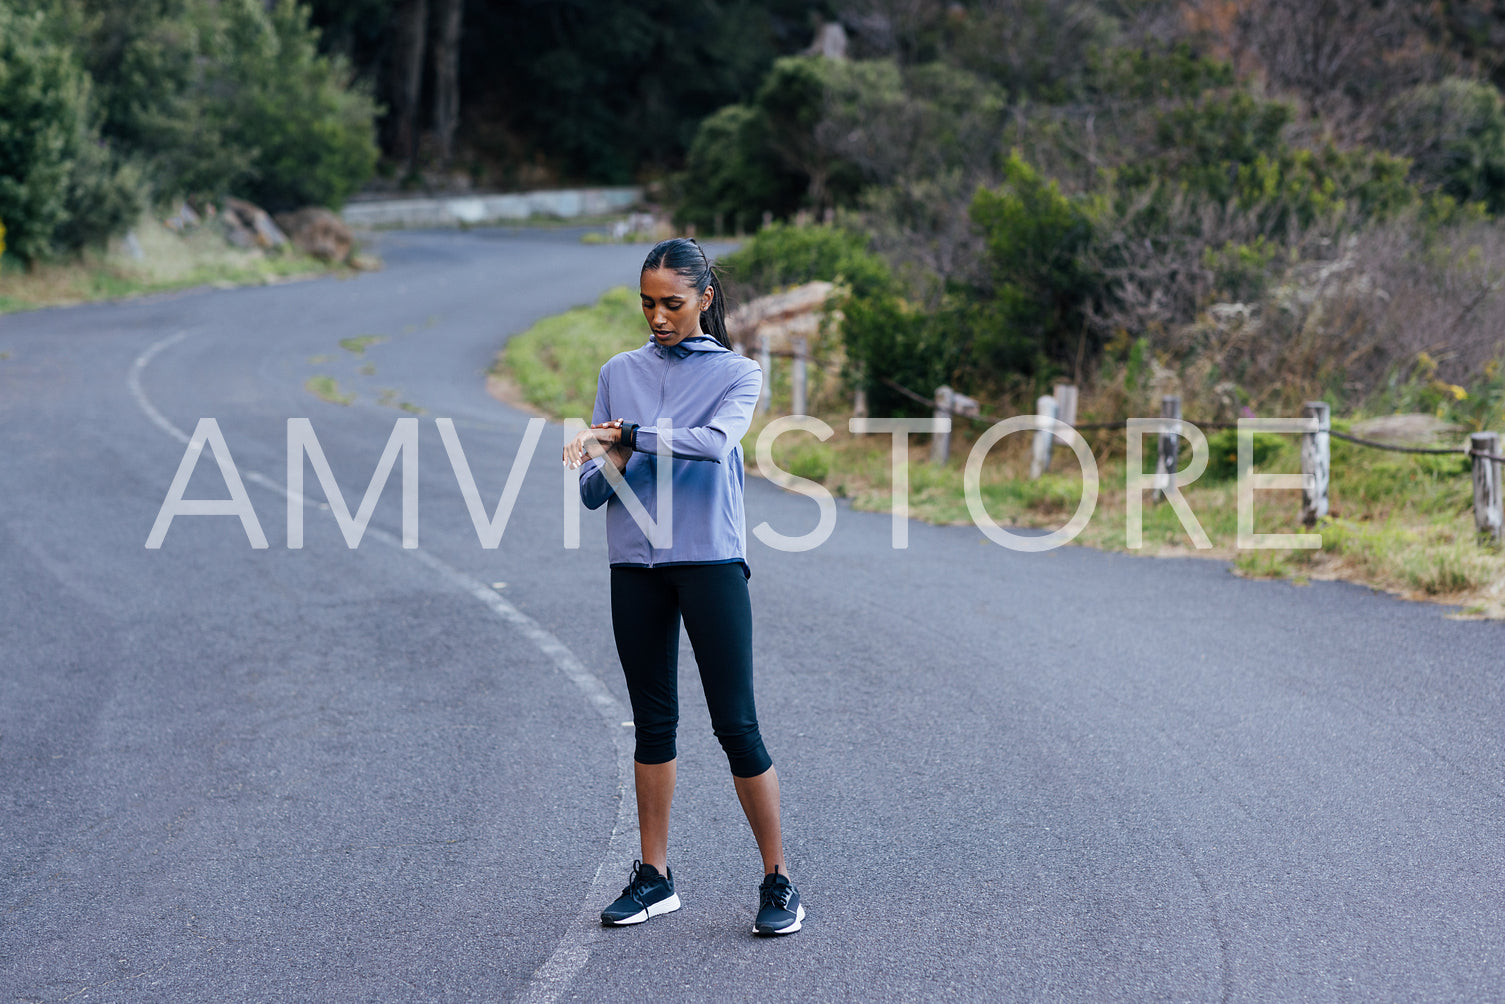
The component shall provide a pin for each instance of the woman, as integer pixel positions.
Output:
(685, 399)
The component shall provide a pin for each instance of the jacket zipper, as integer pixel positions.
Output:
(662, 396)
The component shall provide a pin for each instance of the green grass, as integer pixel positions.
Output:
(169, 262)
(325, 388)
(390, 397)
(358, 343)
(555, 363)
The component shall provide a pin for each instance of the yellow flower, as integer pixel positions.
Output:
(1459, 393)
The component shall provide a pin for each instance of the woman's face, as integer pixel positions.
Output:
(672, 305)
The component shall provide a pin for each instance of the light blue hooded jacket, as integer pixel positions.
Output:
(707, 394)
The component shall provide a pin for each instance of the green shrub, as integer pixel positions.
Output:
(312, 129)
(732, 175)
(888, 339)
(807, 138)
(1231, 147)
(957, 116)
(1241, 271)
(1222, 460)
(226, 97)
(785, 255)
(883, 335)
(44, 114)
(106, 195)
(1148, 74)
(1037, 48)
(794, 99)
(1454, 133)
(1038, 287)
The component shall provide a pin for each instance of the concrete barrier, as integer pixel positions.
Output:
(563, 204)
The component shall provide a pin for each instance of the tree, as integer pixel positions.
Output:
(44, 106)
(218, 97)
(1032, 305)
(62, 186)
(611, 92)
(407, 77)
(447, 77)
(732, 176)
(310, 125)
(1454, 134)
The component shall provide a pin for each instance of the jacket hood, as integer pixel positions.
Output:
(697, 343)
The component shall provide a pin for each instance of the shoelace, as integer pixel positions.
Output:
(776, 893)
(637, 886)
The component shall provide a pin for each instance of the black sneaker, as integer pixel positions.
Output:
(648, 894)
(779, 909)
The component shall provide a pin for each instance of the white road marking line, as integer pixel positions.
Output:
(573, 950)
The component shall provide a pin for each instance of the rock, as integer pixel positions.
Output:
(781, 317)
(639, 226)
(830, 42)
(316, 231)
(254, 219)
(182, 219)
(1415, 429)
(237, 233)
(267, 233)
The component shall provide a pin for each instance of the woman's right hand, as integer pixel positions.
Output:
(585, 445)
(601, 439)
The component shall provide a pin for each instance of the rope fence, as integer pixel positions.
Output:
(1315, 427)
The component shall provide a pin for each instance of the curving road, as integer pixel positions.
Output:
(337, 774)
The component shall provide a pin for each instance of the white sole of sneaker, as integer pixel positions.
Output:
(799, 915)
(661, 907)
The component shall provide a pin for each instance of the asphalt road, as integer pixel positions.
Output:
(335, 774)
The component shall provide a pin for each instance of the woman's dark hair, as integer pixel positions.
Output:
(682, 256)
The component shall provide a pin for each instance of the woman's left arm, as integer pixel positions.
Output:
(718, 437)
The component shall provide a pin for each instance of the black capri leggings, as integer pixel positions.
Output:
(646, 604)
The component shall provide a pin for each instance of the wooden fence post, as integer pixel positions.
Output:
(765, 360)
(940, 442)
(948, 403)
(859, 403)
(1065, 395)
(1169, 453)
(1316, 463)
(1489, 515)
(798, 407)
(1039, 461)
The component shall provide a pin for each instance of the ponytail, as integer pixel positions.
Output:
(713, 318)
